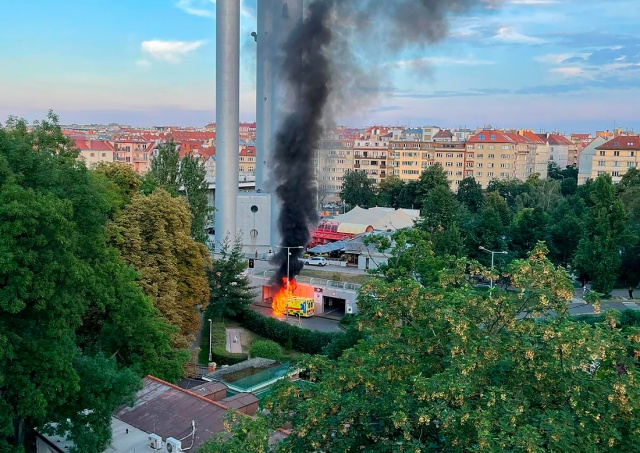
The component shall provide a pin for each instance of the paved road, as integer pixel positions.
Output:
(261, 265)
(314, 323)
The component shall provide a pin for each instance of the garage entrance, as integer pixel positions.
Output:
(334, 306)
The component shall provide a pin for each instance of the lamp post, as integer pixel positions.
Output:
(286, 306)
(492, 255)
(210, 356)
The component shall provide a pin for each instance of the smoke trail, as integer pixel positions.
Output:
(307, 71)
(328, 55)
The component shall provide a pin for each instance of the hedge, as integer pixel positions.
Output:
(265, 349)
(303, 340)
(218, 346)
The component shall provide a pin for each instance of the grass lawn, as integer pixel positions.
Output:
(247, 337)
(360, 279)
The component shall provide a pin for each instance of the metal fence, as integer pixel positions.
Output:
(313, 281)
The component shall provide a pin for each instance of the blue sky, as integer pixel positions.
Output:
(570, 65)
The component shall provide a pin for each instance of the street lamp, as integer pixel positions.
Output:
(286, 306)
(492, 255)
(210, 356)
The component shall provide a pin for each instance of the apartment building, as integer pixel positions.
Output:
(371, 153)
(540, 150)
(407, 159)
(490, 154)
(451, 156)
(247, 160)
(93, 151)
(134, 152)
(615, 157)
(331, 161)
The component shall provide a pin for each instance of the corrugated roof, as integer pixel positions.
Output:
(167, 410)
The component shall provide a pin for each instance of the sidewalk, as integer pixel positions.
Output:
(234, 340)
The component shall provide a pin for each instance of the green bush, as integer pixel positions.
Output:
(265, 349)
(303, 340)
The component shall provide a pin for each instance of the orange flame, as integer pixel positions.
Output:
(285, 292)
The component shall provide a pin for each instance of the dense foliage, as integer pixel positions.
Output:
(76, 331)
(444, 366)
(303, 340)
(594, 228)
(265, 349)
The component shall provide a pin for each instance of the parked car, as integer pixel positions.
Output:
(316, 261)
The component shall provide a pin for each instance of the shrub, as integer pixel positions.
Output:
(303, 340)
(266, 349)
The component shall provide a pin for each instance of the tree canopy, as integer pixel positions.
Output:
(69, 306)
(443, 366)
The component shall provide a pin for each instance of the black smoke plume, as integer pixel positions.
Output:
(329, 54)
(308, 73)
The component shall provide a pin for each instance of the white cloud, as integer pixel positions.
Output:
(207, 8)
(569, 72)
(508, 35)
(198, 8)
(442, 61)
(533, 2)
(169, 51)
(559, 58)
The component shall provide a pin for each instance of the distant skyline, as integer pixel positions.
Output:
(570, 65)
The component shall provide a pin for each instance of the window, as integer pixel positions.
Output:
(92, 154)
(438, 154)
(478, 165)
(449, 164)
(600, 173)
(615, 173)
(481, 137)
(489, 165)
(505, 156)
(601, 163)
(469, 146)
(458, 164)
(458, 173)
(478, 173)
(631, 164)
(602, 153)
(616, 164)
(632, 153)
(480, 146)
(504, 165)
(469, 164)
(504, 175)
(492, 147)
(449, 173)
(479, 156)
(493, 137)
(460, 155)
(616, 153)
(104, 154)
(491, 156)
(490, 174)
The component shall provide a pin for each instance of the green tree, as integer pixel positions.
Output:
(488, 228)
(120, 180)
(358, 190)
(439, 217)
(529, 226)
(598, 252)
(389, 192)
(230, 289)
(470, 194)
(63, 294)
(165, 169)
(194, 185)
(444, 367)
(566, 229)
(153, 234)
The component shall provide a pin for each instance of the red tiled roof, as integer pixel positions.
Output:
(557, 139)
(443, 134)
(534, 138)
(622, 142)
(517, 138)
(581, 136)
(490, 136)
(85, 144)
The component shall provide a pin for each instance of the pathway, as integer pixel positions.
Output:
(234, 340)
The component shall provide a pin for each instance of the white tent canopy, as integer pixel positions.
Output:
(384, 219)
